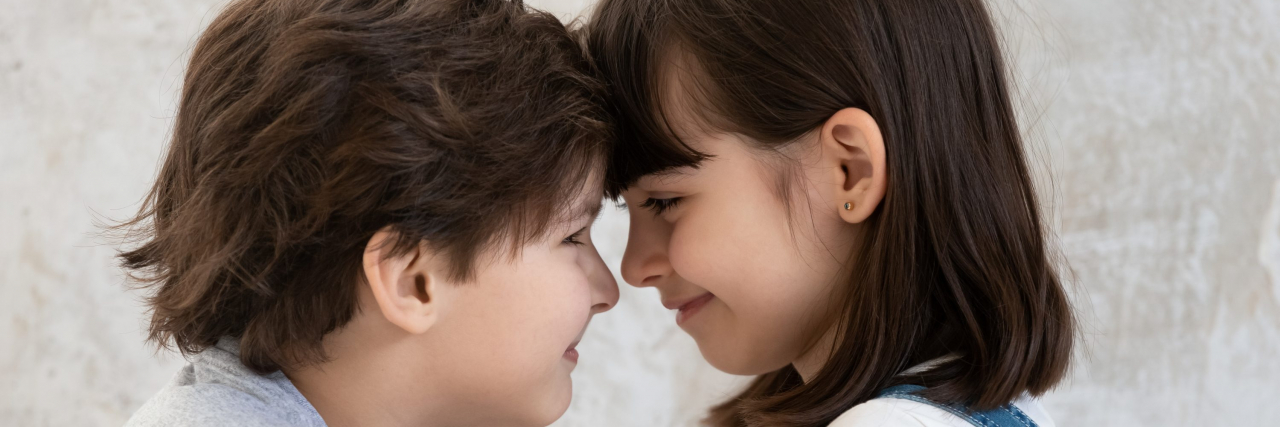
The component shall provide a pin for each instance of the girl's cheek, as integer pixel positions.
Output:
(697, 253)
(683, 252)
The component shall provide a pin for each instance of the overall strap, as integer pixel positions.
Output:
(1004, 416)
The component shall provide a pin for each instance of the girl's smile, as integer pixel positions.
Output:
(689, 307)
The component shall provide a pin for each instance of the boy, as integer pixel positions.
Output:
(376, 212)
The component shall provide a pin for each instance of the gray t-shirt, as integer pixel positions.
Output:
(215, 389)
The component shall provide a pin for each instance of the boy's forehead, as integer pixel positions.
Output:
(588, 202)
(589, 209)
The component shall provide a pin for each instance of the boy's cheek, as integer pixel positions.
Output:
(551, 310)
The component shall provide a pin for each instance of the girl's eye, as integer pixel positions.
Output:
(660, 205)
(575, 238)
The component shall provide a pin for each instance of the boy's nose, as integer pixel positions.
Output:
(604, 288)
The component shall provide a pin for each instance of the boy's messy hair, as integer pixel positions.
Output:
(305, 126)
(954, 261)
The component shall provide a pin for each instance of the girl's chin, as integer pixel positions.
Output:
(737, 361)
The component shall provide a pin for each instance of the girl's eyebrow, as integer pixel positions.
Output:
(669, 173)
(679, 170)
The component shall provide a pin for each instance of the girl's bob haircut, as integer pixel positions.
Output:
(954, 262)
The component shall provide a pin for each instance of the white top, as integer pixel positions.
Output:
(897, 412)
(216, 390)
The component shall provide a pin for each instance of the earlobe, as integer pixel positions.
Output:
(856, 153)
(404, 286)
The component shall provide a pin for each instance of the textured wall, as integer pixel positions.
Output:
(1157, 119)
(1160, 119)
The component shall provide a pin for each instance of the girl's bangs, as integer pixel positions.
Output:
(624, 48)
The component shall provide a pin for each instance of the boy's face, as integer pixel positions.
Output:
(515, 328)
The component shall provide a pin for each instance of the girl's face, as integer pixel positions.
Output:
(749, 274)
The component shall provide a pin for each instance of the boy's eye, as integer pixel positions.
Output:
(575, 238)
(660, 205)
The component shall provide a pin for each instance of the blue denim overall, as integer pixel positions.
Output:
(1004, 416)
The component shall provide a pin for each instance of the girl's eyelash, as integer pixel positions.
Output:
(575, 238)
(660, 205)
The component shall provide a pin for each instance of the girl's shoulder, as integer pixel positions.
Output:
(895, 412)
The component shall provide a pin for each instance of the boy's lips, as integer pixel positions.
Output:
(688, 307)
(571, 353)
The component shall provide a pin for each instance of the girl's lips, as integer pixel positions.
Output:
(688, 309)
(571, 354)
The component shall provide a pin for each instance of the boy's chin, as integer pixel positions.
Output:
(553, 400)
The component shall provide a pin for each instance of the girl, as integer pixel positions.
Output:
(834, 196)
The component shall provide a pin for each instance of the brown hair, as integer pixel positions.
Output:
(306, 126)
(953, 261)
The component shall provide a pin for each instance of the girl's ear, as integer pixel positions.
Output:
(853, 149)
(406, 287)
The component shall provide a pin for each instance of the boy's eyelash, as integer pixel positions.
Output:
(575, 238)
(660, 205)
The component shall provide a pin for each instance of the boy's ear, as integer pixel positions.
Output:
(404, 286)
(853, 149)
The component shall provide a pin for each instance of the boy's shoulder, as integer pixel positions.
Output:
(203, 405)
(215, 389)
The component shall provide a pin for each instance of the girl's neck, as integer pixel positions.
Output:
(811, 361)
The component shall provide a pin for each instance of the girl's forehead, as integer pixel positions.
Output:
(667, 177)
(684, 96)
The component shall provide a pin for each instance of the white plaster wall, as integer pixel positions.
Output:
(1158, 120)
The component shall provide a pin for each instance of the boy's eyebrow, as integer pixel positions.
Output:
(589, 210)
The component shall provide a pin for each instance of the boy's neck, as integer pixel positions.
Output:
(338, 400)
(365, 381)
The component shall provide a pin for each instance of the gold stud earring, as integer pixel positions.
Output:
(848, 206)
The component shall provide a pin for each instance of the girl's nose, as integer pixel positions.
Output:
(645, 261)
